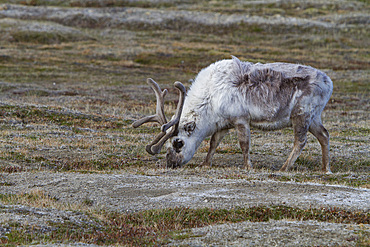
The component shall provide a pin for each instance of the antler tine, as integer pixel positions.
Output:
(149, 147)
(180, 105)
(159, 117)
(156, 146)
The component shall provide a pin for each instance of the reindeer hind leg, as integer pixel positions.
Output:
(322, 135)
(301, 124)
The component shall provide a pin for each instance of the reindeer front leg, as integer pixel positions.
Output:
(322, 135)
(244, 135)
(215, 141)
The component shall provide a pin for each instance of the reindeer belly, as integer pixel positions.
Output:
(272, 119)
(271, 125)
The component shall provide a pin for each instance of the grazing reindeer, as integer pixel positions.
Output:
(234, 94)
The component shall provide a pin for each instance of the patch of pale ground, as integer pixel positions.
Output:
(180, 188)
(127, 192)
(273, 233)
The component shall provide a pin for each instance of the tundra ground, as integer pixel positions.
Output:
(72, 80)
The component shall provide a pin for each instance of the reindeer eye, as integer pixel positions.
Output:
(189, 127)
(178, 143)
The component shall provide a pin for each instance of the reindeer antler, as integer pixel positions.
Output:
(159, 117)
(155, 146)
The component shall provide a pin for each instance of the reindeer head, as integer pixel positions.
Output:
(175, 156)
(182, 147)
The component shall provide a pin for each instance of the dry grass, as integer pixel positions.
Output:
(39, 199)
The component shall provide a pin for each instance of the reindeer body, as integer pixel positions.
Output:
(234, 94)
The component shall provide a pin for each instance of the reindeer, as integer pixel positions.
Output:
(235, 94)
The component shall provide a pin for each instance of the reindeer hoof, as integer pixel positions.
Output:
(248, 167)
(206, 164)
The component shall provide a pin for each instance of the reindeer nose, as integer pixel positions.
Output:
(177, 144)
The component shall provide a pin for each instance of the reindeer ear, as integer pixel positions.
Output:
(235, 59)
(189, 127)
